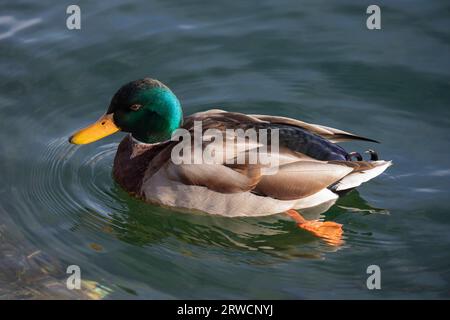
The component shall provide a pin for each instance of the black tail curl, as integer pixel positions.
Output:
(358, 156)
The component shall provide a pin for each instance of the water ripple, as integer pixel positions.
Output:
(14, 25)
(66, 181)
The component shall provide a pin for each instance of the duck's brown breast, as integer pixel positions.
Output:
(131, 162)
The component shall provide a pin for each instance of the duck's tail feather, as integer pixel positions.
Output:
(360, 176)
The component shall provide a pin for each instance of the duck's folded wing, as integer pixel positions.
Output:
(221, 117)
(298, 176)
(332, 134)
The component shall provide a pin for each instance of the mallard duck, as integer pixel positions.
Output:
(312, 168)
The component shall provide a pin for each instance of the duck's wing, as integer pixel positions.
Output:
(298, 174)
(331, 134)
(220, 116)
(220, 119)
(314, 141)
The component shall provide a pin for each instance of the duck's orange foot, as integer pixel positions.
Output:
(329, 231)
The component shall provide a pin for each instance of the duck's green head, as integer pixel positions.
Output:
(146, 108)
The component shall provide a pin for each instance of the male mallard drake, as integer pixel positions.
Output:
(312, 169)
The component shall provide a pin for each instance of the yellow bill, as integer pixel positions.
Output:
(103, 127)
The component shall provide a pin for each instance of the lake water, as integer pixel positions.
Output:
(315, 61)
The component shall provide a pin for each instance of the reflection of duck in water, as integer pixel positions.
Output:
(141, 224)
(312, 169)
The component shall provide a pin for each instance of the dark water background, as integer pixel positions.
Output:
(311, 60)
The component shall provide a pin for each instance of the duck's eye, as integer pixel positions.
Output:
(135, 107)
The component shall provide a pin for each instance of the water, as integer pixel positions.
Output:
(313, 61)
